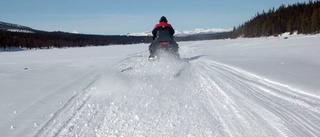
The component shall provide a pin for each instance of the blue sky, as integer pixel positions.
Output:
(113, 17)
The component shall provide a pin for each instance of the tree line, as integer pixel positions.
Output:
(46, 40)
(303, 18)
(61, 39)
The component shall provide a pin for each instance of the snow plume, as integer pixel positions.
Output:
(138, 71)
(149, 97)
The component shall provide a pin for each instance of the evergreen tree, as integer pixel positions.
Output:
(315, 20)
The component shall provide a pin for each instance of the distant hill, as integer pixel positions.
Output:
(4, 26)
(187, 32)
(13, 36)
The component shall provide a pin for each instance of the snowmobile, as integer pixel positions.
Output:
(162, 48)
(163, 44)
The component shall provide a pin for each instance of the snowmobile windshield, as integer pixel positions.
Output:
(164, 35)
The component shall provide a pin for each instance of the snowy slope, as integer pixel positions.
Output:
(243, 87)
(15, 28)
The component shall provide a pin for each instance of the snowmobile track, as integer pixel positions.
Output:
(62, 118)
(253, 102)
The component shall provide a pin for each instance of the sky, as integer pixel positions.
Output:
(114, 17)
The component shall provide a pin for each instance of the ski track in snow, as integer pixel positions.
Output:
(207, 99)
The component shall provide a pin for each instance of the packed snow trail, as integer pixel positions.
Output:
(258, 106)
(207, 99)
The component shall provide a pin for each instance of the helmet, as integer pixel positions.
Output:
(163, 19)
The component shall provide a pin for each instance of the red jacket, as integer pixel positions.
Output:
(162, 25)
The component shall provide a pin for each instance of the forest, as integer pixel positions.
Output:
(61, 39)
(303, 18)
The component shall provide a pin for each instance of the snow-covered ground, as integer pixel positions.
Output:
(242, 87)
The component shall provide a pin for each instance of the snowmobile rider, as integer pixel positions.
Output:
(163, 31)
